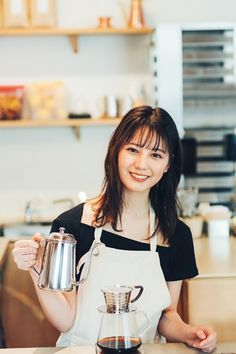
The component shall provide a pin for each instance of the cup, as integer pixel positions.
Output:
(109, 105)
(104, 22)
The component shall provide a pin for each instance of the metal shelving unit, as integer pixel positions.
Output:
(215, 175)
(209, 77)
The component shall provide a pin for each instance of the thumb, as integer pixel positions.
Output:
(37, 237)
(200, 333)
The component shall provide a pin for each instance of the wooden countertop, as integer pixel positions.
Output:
(216, 257)
(148, 349)
(3, 247)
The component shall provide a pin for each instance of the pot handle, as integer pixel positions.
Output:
(85, 272)
(141, 288)
(34, 270)
(32, 267)
(147, 326)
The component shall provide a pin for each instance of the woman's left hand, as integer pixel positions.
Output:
(201, 337)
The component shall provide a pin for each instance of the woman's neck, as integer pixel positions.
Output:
(136, 204)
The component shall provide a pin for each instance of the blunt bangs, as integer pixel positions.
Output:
(148, 137)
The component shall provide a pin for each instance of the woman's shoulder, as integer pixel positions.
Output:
(182, 232)
(89, 212)
(71, 219)
(84, 212)
(75, 212)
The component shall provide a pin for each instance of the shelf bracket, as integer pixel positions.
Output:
(77, 132)
(73, 38)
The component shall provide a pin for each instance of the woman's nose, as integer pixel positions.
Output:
(141, 162)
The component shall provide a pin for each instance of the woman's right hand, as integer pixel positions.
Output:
(25, 253)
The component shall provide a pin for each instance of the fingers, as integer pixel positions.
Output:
(25, 252)
(201, 335)
(208, 344)
(203, 338)
(37, 237)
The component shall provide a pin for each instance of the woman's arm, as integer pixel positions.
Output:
(60, 308)
(174, 329)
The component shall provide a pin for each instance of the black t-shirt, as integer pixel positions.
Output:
(177, 261)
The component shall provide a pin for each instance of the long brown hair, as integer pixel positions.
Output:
(159, 124)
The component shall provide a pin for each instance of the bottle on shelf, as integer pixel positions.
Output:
(136, 19)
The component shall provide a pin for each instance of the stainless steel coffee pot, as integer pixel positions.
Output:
(58, 270)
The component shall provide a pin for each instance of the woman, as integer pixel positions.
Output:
(135, 219)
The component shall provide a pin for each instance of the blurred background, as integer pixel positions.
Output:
(68, 72)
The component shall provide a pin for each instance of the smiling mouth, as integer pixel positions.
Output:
(138, 177)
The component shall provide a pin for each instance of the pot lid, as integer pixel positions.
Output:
(61, 236)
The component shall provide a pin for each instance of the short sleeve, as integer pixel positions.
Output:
(182, 263)
(71, 221)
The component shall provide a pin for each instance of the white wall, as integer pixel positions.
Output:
(53, 161)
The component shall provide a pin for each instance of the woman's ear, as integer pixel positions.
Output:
(167, 167)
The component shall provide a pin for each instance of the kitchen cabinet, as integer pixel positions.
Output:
(23, 320)
(210, 298)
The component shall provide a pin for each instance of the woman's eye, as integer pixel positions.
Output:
(156, 156)
(132, 149)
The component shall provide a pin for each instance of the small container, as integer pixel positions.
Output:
(104, 22)
(15, 13)
(218, 228)
(136, 19)
(42, 13)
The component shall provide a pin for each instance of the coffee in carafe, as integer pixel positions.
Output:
(119, 332)
(120, 344)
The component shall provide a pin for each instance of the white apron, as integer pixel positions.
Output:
(111, 266)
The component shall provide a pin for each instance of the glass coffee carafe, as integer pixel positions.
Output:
(119, 331)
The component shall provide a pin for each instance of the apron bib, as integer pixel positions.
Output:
(111, 266)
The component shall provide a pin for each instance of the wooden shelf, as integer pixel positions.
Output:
(27, 123)
(73, 33)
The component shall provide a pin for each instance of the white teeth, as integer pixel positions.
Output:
(139, 176)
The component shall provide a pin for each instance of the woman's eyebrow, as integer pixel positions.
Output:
(155, 149)
(158, 149)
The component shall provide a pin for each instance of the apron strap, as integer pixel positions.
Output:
(97, 234)
(153, 239)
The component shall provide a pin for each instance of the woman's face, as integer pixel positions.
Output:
(140, 168)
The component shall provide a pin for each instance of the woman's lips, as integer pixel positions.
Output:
(138, 177)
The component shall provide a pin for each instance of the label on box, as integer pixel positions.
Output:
(16, 7)
(42, 6)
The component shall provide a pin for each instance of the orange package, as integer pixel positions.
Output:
(11, 102)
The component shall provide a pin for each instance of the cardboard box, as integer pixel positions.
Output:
(42, 13)
(0, 13)
(15, 13)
